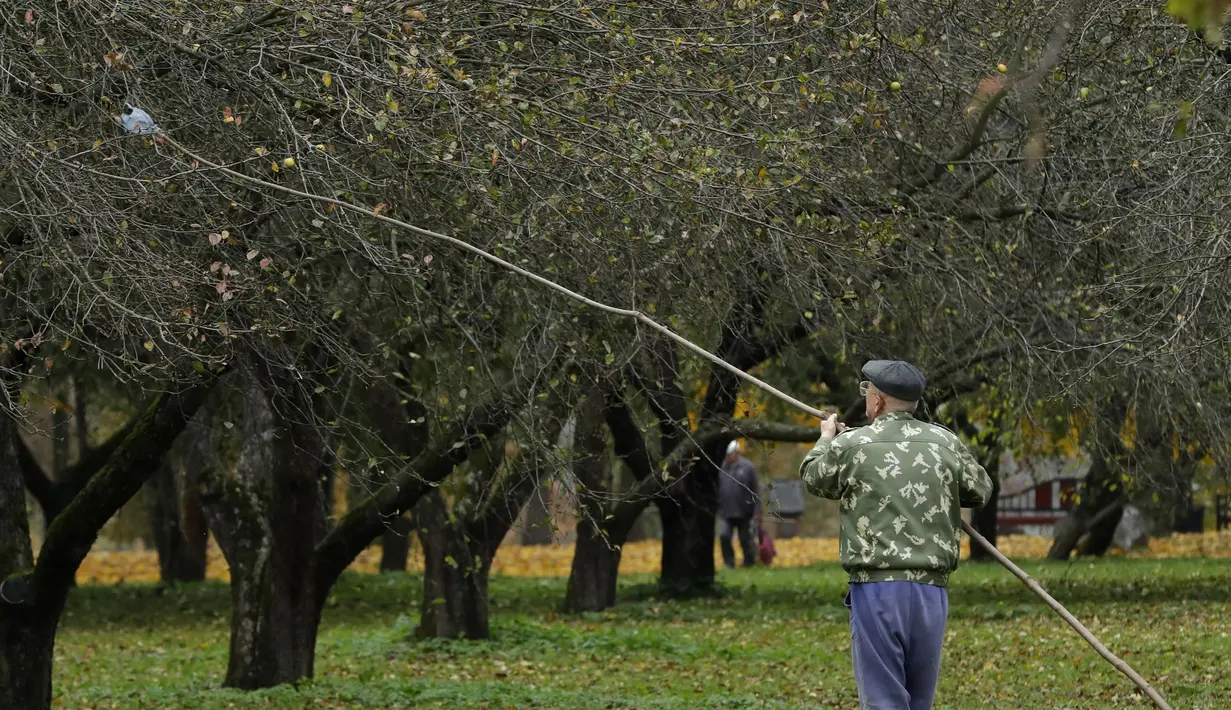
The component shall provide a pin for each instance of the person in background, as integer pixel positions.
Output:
(739, 497)
(901, 484)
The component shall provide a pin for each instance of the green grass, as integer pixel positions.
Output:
(775, 639)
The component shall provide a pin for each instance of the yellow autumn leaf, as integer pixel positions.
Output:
(327, 79)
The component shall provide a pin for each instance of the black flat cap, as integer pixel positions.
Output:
(896, 378)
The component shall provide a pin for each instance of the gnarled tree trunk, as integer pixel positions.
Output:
(1097, 514)
(595, 572)
(1101, 530)
(271, 514)
(455, 575)
(690, 512)
(459, 545)
(688, 518)
(596, 555)
(27, 645)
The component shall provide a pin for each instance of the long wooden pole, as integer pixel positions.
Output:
(1072, 621)
(644, 319)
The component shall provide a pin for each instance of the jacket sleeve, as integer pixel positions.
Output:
(974, 485)
(821, 467)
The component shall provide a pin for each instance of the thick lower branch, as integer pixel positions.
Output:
(72, 533)
(359, 527)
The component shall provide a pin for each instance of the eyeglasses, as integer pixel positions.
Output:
(863, 388)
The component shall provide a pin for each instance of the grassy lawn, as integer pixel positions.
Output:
(776, 639)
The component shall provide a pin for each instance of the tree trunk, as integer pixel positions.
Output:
(274, 611)
(180, 559)
(274, 615)
(26, 639)
(395, 546)
(1068, 530)
(595, 571)
(455, 575)
(600, 536)
(270, 511)
(27, 645)
(688, 519)
(1101, 531)
(200, 483)
(1100, 503)
(32, 596)
(983, 520)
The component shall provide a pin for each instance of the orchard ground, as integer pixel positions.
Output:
(112, 566)
(775, 638)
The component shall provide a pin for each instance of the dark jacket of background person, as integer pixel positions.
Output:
(738, 490)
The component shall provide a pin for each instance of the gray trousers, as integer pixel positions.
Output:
(746, 541)
(897, 630)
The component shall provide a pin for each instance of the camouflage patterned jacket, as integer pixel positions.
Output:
(901, 484)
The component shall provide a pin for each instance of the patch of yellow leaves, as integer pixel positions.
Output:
(110, 567)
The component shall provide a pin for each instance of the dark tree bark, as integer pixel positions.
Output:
(689, 517)
(26, 639)
(181, 558)
(595, 572)
(644, 528)
(689, 511)
(32, 596)
(455, 572)
(592, 579)
(55, 490)
(271, 511)
(1099, 510)
(983, 520)
(459, 545)
(605, 528)
(395, 545)
(596, 559)
(1101, 530)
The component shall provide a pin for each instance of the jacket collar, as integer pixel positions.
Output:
(895, 417)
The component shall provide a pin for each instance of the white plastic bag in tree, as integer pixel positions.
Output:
(135, 120)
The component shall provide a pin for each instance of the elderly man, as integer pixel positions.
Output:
(901, 484)
(739, 505)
